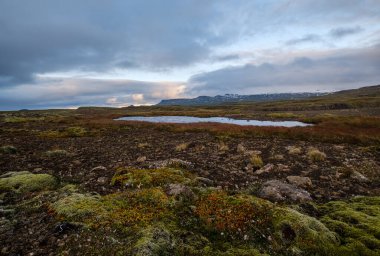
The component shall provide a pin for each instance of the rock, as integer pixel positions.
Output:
(180, 192)
(277, 191)
(102, 180)
(204, 181)
(173, 163)
(355, 175)
(299, 181)
(141, 159)
(240, 149)
(77, 162)
(37, 169)
(99, 168)
(265, 169)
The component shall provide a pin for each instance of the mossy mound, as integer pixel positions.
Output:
(357, 222)
(301, 234)
(239, 216)
(8, 149)
(120, 210)
(144, 178)
(22, 182)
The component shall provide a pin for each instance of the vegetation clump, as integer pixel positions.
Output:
(8, 149)
(235, 216)
(293, 150)
(182, 147)
(119, 210)
(22, 182)
(57, 153)
(256, 161)
(357, 221)
(149, 177)
(315, 155)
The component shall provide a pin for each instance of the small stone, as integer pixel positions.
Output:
(359, 177)
(141, 159)
(38, 169)
(77, 162)
(266, 169)
(102, 180)
(204, 181)
(99, 168)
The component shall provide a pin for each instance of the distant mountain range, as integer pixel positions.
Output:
(235, 98)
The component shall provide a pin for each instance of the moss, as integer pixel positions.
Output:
(8, 149)
(22, 182)
(154, 240)
(357, 221)
(301, 233)
(17, 119)
(256, 161)
(75, 131)
(315, 155)
(239, 216)
(119, 210)
(149, 177)
(57, 153)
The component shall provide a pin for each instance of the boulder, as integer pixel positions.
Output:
(299, 181)
(278, 191)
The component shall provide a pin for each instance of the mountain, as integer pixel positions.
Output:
(232, 98)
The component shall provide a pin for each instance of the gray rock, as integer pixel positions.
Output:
(180, 192)
(99, 168)
(102, 180)
(278, 191)
(173, 163)
(204, 181)
(355, 175)
(265, 169)
(141, 159)
(299, 181)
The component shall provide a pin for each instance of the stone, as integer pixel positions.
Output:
(265, 169)
(299, 181)
(180, 191)
(99, 168)
(141, 159)
(204, 181)
(359, 177)
(278, 191)
(102, 180)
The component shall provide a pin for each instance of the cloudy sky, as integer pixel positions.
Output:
(56, 54)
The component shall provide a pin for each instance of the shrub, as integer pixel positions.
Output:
(315, 155)
(256, 161)
(293, 150)
(75, 131)
(181, 147)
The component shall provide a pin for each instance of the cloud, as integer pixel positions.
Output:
(310, 38)
(337, 70)
(345, 31)
(70, 92)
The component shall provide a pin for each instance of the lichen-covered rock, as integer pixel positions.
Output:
(180, 192)
(277, 191)
(299, 181)
(301, 233)
(21, 182)
(171, 163)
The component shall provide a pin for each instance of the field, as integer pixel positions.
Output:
(77, 182)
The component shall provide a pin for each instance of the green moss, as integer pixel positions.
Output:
(149, 177)
(120, 210)
(301, 233)
(75, 131)
(22, 182)
(8, 149)
(357, 222)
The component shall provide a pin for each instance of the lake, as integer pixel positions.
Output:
(225, 120)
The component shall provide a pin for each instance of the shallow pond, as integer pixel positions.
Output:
(226, 120)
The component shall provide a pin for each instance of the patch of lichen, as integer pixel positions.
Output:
(144, 178)
(239, 216)
(298, 233)
(120, 210)
(22, 182)
(357, 222)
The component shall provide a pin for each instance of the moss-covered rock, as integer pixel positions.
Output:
(8, 149)
(301, 234)
(21, 182)
(357, 221)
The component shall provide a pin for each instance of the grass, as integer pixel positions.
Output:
(315, 155)
(256, 161)
(22, 182)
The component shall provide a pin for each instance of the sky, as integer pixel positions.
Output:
(66, 54)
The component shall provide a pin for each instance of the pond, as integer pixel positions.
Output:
(225, 120)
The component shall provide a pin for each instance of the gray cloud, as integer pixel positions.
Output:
(310, 38)
(345, 31)
(338, 70)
